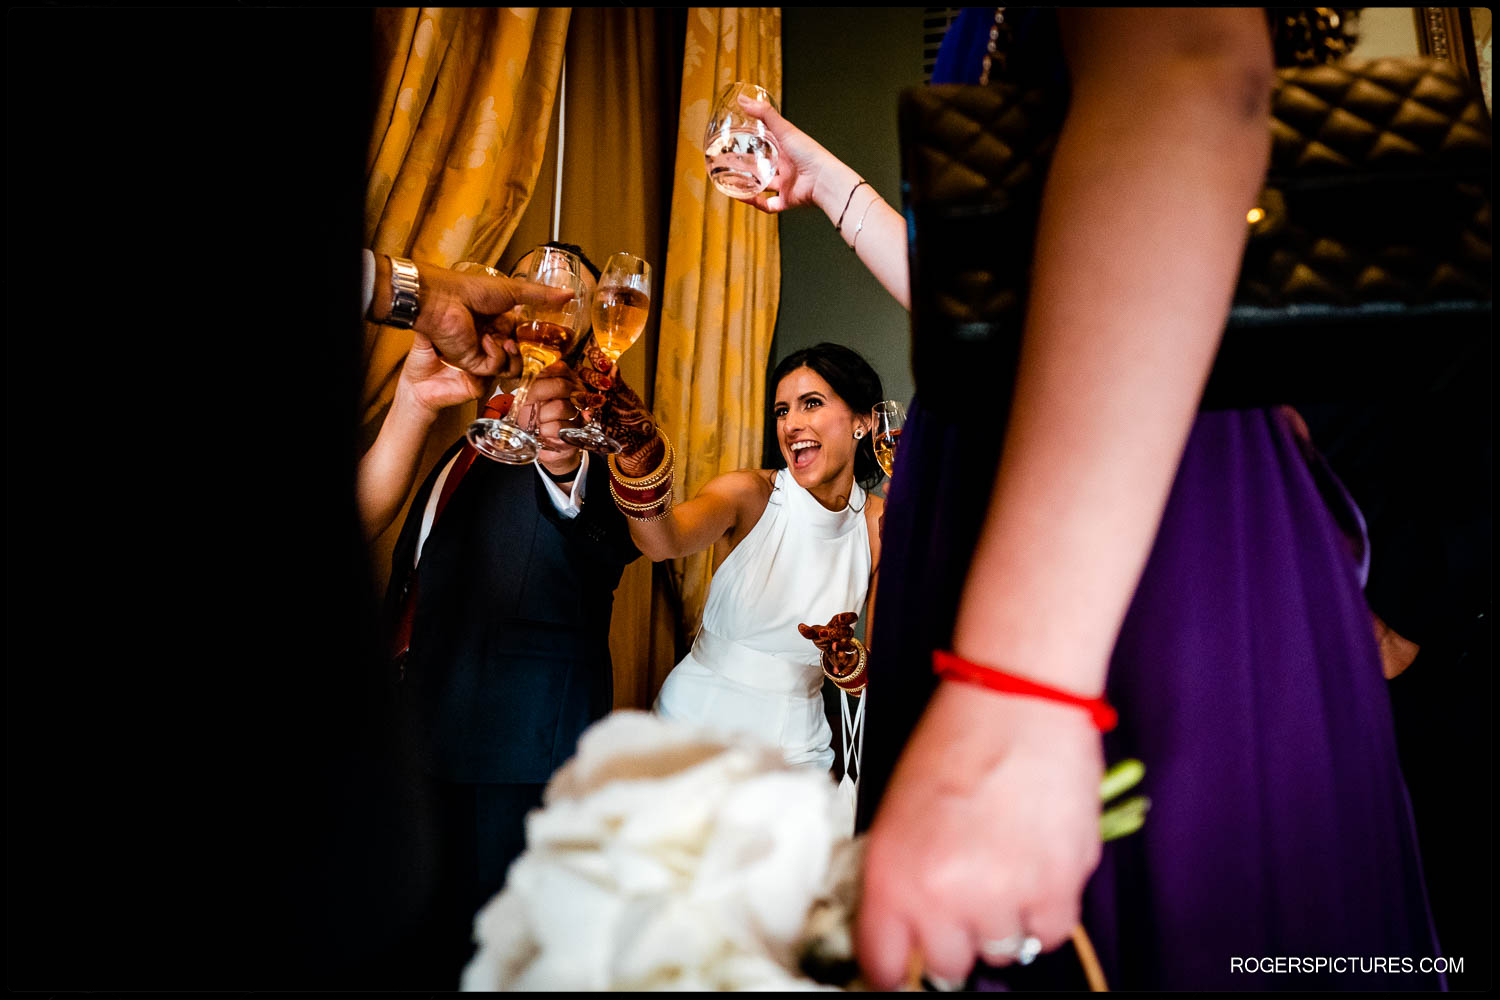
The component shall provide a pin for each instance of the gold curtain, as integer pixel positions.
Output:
(723, 279)
(462, 111)
(613, 191)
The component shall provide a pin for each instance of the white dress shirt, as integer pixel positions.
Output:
(569, 505)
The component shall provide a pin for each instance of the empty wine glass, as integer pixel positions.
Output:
(740, 151)
(544, 334)
(889, 417)
(621, 305)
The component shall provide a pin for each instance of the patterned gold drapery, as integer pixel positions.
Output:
(722, 281)
(462, 111)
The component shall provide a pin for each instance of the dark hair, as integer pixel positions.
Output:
(855, 382)
(574, 248)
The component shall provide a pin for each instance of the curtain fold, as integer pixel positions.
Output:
(463, 105)
(722, 282)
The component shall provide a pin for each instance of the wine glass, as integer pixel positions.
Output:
(544, 334)
(740, 151)
(621, 305)
(889, 416)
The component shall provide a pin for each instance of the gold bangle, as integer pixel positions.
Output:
(628, 507)
(651, 478)
(636, 494)
(648, 520)
(646, 512)
(859, 667)
(658, 475)
(637, 504)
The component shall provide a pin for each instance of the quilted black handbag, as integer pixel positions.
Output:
(1369, 255)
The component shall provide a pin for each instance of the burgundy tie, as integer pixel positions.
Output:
(496, 408)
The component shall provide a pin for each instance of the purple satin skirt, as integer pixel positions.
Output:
(1247, 680)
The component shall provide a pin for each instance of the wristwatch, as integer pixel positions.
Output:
(406, 283)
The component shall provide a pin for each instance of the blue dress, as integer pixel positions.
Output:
(1247, 679)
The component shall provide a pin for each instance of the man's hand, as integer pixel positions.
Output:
(550, 407)
(431, 385)
(467, 317)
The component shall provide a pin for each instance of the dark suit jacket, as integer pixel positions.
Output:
(509, 653)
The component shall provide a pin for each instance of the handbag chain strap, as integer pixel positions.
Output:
(994, 52)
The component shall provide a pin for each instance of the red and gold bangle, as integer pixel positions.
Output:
(648, 497)
(654, 478)
(663, 500)
(652, 510)
(845, 682)
(951, 667)
(641, 496)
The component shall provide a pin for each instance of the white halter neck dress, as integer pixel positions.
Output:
(750, 670)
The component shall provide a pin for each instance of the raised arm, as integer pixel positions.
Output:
(386, 472)
(806, 173)
(1142, 229)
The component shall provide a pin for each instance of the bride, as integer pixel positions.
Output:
(792, 546)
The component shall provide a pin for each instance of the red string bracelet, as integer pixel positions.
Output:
(951, 667)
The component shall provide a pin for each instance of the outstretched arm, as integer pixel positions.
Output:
(458, 312)
(700, 522)
(1142, 229)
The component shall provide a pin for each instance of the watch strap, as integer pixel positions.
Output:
(406, 286)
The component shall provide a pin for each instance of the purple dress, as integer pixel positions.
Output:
(1248, 681)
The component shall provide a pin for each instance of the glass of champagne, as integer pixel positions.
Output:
(544, 334)
(621, 305)
(889, 416)
(740, 151)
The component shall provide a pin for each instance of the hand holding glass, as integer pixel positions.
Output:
(621, 305)
(544, 334)
(740, 151)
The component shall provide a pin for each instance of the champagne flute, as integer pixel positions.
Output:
(621, 305)
(740, 151)
(889, 416)
(544, 334)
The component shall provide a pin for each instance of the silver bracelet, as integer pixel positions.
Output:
(838, 226)
(861, 225)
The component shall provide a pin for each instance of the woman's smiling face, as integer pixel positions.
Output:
(815, 429)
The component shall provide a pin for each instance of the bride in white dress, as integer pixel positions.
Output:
(792, 546)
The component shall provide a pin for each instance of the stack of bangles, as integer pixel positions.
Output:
(855, 680)
(648, 497)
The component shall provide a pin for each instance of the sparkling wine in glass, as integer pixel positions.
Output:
(621, 304)
(889, 416)
(543, 334)
(740, 151)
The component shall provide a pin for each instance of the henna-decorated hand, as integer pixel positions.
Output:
(621, 412)
(837, 643)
